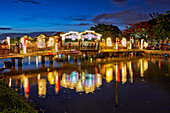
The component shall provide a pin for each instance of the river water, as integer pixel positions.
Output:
(137, 85)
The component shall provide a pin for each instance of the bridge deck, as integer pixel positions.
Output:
(77, 52)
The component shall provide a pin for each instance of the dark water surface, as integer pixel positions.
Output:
(140, 85)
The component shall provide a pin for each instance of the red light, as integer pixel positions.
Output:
(118, 75)
(95, 40)
(57, 40)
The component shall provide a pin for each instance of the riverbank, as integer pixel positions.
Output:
(12, 102)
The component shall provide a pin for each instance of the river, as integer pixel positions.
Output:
(137, 85)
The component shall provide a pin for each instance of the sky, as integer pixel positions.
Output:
(24, 16)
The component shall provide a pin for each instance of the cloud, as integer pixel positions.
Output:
(29, 1)
(4, 28)
(81, 24)
(124, 17)
(79, 19)
(158, 2)
(119, 2)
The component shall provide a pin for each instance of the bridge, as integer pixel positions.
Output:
(75, 51)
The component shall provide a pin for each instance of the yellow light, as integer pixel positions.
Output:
(42, 87)
(145, 44)
(50, 43)
(124, 74)
(51, 78)
(109, 74)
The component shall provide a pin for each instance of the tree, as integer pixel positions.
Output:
(162, 28)
(107, 31)
(139, 30)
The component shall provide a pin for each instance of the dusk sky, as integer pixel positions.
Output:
(23, 16)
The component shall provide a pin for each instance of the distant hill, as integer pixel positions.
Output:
(32, 34)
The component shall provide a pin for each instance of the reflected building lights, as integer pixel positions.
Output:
(10, 82)
(109, 74)
(38, 77)
(98, 80)
(51, 78)
(29, 60)
(63, 81)
(141, 68)
(117, 73)
(86, 82)
(145, 65)
(57, 85)
(36, 61)
(26, 86)
(130, 71)
(79, 86)
(159, 64)
(42, 87)
(39, 58)
(124, 74)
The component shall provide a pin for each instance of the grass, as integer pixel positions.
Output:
(12, 102)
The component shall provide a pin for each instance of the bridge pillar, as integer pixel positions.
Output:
(75, 58)
(20, 61)
(50, 62)
(13, 61)
(43, 59)
(66, 57)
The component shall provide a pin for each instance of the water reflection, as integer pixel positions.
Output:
(82, 80)
(109, 81)
(42, 88)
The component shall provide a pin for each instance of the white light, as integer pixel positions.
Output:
(73, 39)
(142, 43)
(109, 42)
(124, 42)
(145, 44)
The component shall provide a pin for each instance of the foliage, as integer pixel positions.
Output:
(107, 31)
(158, 27)
(162, 28)
(139, 30)
(15, 40)
(11, 101)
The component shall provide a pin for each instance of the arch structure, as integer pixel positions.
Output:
(70, 37)
(90, 39)
(89, 34)
(83, 38)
